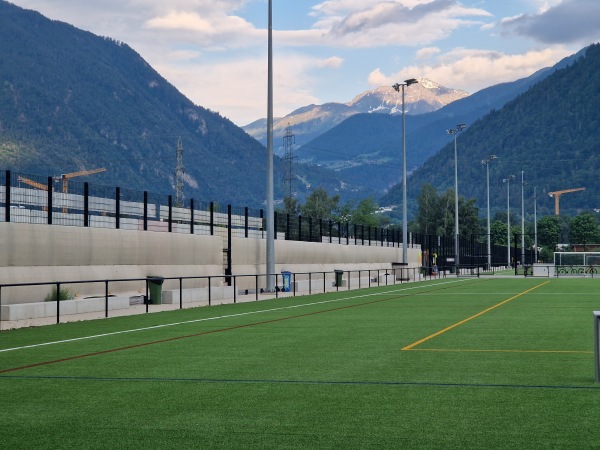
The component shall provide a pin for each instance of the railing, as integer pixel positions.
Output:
(578, 271)
(32, 199)
(314, 282)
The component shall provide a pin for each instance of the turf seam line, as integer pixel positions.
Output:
(300, 382)
(206, 319)
(438, 333)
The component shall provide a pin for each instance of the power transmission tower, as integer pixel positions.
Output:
(288, 145)
(179, 171)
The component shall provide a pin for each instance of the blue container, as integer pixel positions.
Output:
(287, 281)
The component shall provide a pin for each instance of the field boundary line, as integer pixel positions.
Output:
(228, 316)
(431, 336)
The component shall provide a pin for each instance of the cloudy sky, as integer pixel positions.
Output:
(215, 51)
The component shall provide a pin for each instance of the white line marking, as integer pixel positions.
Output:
(206, 319)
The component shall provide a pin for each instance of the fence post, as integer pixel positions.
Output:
(191, 216)
(246, 222)
(180, 293)
(262, 216)
(347, 233)
(106, 299)
(234, 290)
(57, 302)
(145, 210)
(330, 232)
(7, 199)
(86, 204)
(275, 222)
(320, 230)
(339, 232)
(49, 205)
(229, 233)
(118, 207)
(170, 220)
(209, 290)
(212, 218)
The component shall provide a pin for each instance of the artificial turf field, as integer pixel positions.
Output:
(454, 363)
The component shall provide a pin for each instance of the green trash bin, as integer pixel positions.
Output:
(339, 275)
(155, 289)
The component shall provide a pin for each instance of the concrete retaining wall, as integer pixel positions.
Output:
(32, 253)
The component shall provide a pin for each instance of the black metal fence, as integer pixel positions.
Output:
(35, 199)
(313, 282)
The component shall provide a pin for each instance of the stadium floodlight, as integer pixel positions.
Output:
(486, 162)
(454, 132)
(523, 184)
(507, 181)
(397, 87)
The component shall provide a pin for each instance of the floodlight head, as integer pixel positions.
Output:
(396, 87)
(461, 126)
(492, 157)
(451, 131)
(411, 81)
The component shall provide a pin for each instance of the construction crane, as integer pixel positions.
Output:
(35, 184)
(557, 195)
(65, 177)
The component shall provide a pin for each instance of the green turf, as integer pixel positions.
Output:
(353, 369)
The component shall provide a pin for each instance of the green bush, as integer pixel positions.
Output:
(63, 294)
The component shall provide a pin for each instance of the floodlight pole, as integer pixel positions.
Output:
(270, 189)
(487, 162)
(507, 181)
(523, 218)
(455, 132)
(404, 208)
(535, 243)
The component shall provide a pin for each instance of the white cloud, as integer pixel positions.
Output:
(333, 62)
(181, 21)
(241, 85)
(570, 21)
(370, 24)
(473, 70)
(427, 52)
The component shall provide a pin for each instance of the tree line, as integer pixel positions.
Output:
(435, 216)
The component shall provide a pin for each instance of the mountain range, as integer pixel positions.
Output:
(368, 147)
(311, 121)
(73, 101)
(550, 134)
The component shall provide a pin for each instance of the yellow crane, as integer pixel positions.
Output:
(557, 195)
(65, 177)
(35, 184)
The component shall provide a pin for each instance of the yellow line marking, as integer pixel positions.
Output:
(419, 342)
(583, 352)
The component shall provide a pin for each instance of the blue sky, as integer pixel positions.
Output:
(214, 51)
